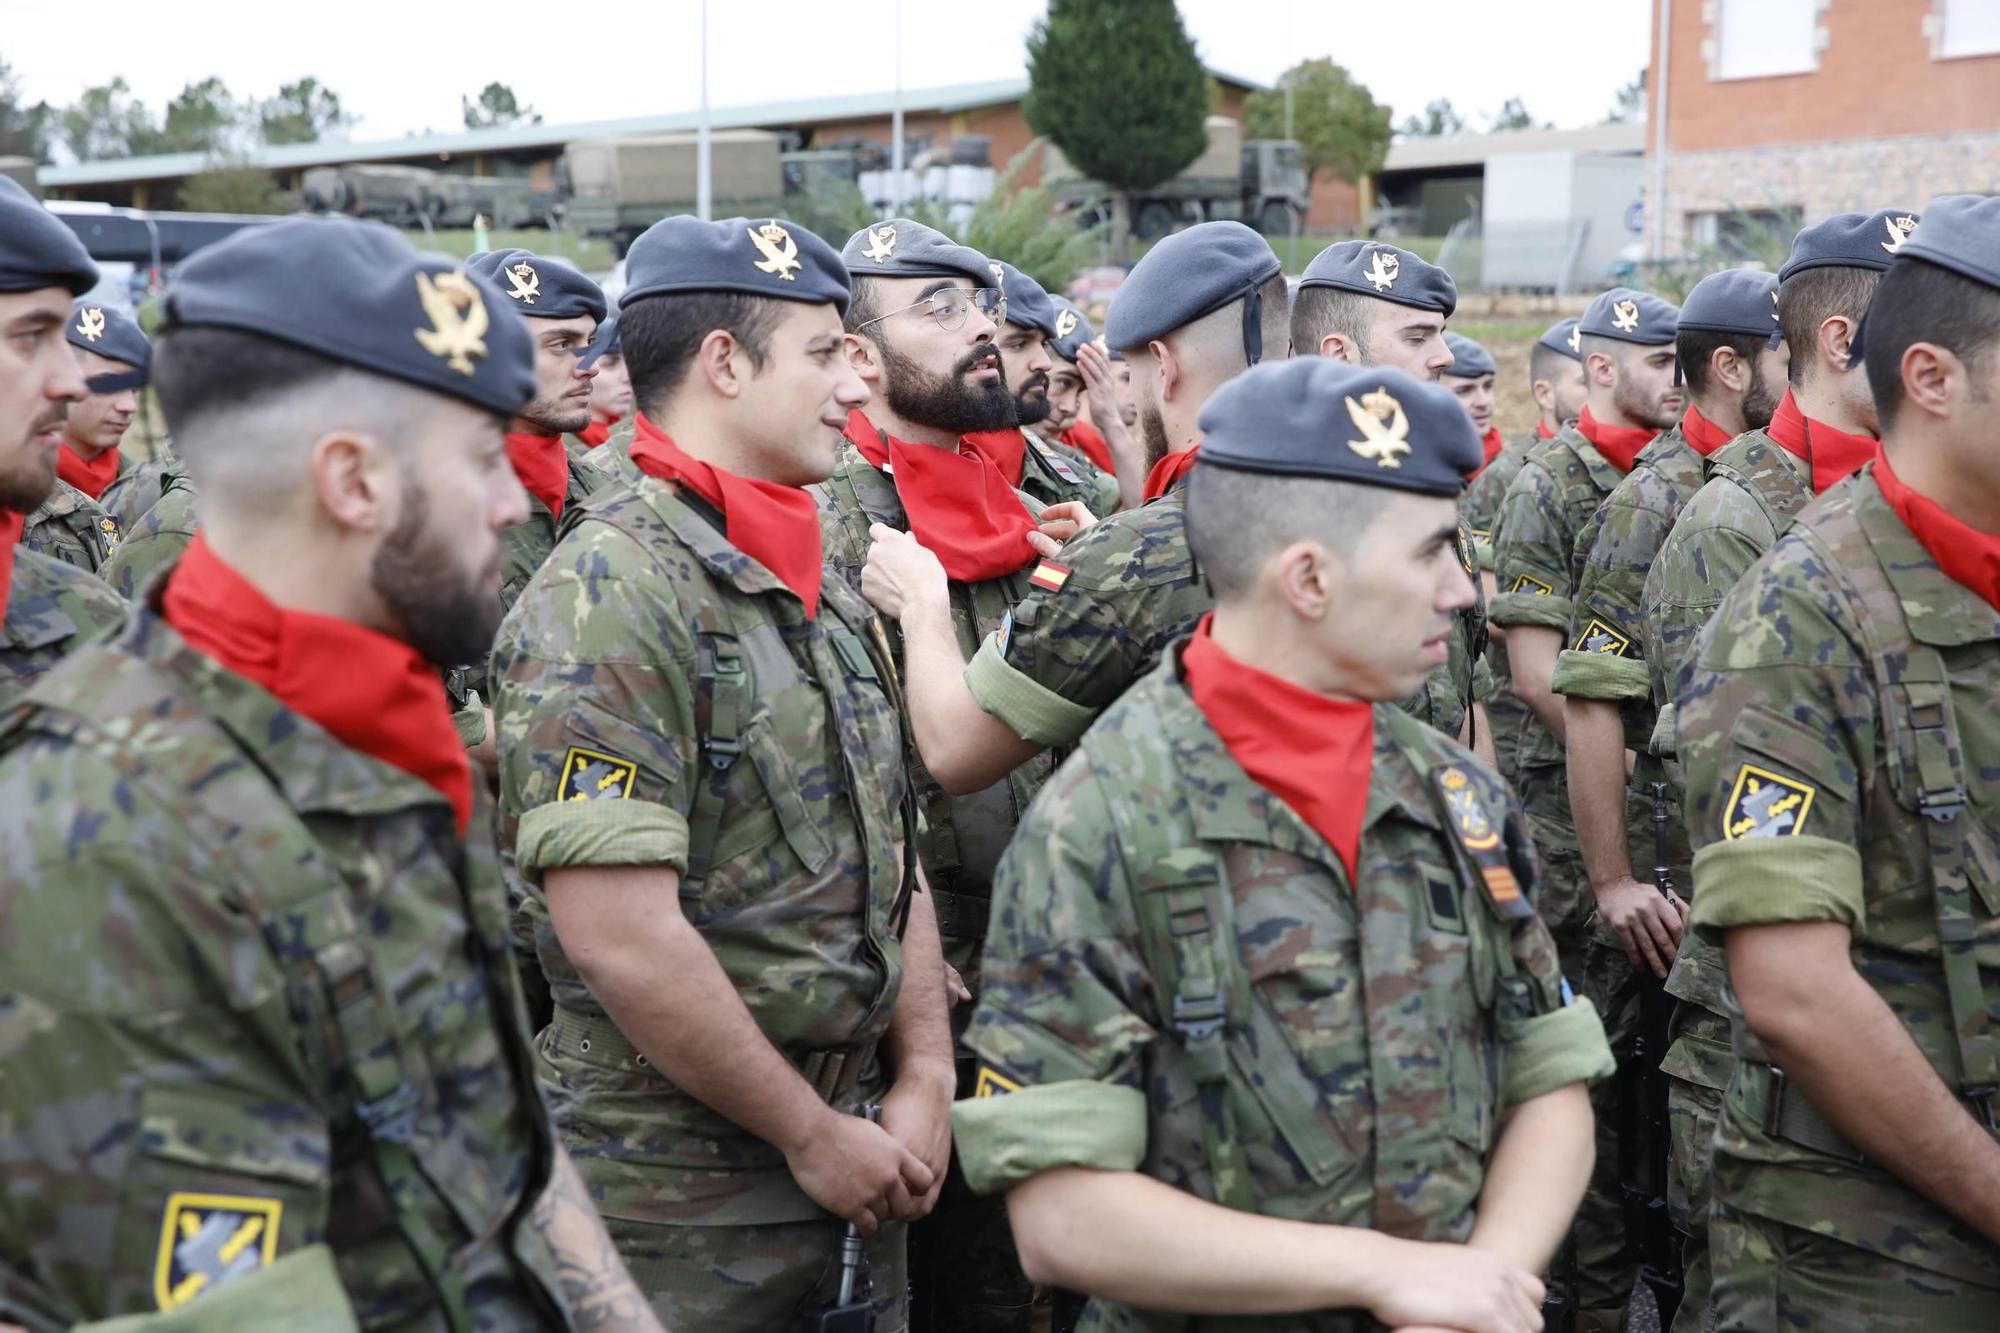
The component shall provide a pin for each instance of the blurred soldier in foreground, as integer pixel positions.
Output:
(255, 932)
(1271, 1033)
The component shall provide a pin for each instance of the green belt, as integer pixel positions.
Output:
(961, 916)
(1782, 1110)
(833, 1071)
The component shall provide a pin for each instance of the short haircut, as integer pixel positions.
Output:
(202, 370)
(1697, 346)
(1919, 302)
(1810, 298)
(864, 304)
(1276, 328)
(660, 336)
(1318, 311)
(1237, 519)
(1545, 363)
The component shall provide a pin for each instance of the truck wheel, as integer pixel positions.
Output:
(1275, 218)
(1153, 221)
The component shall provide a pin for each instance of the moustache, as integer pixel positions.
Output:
(1037, 383)
(51, 419)
(986, 354)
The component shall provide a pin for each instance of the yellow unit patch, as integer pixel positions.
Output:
(1475, 830)
(1598, 637)
(1766, 805)
(1465, 557)
(592, 775)
(993, 1083)
(1529, 583)
(210, 1240)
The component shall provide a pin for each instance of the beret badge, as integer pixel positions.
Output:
(1625, 315)
(1065, 323)
(1384, 427)
(1899, 231)
(1382, 270)
(780, 251)
(90, 322)
(881, 244)
(523, 283)
(458, 319)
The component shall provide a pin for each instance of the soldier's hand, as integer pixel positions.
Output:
(917, 1112)
(1443, 1286)
(1099, 385)
(900, 572)
(857, 1170)
(1060, 523)
(1647, 922)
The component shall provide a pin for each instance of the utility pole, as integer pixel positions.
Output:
(704, 185)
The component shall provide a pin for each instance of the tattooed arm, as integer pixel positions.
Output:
(599, 1293)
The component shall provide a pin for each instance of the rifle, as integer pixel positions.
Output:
(1646, 1132)
(853, 1310)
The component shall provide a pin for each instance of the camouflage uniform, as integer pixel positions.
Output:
(1449, 692)
(71, 527)
(52, 609)
(261, 999)
(663, 700)
(158, 539)
(1605, 660)
(613, 458)
(529, 542)
(959, 847)
(1479, 512)
(1052, 473)
(137, 488)
(1843, 692)
(1368, 1047)
(1538, 561)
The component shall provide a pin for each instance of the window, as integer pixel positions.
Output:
(1757, 39)
(1965, 28)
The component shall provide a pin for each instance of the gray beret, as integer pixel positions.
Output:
(111, 333)
(540, 288)
(900, 248)
(603, 343)
(1316, 417)
(1028, 304)
(1737, 300)
(1961, 232)
(36, 249)
(1385, 272)
(1629, 316)
(358, 293)
(1072, 329)
(1851, 240)
(1562, 336)
(1190, 274)
(1469, 360)
(773, 258)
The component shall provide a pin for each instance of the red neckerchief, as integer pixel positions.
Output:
(1542, 431)
(11, 527)
(777, 526)
(1831, 455)
(543, 467)
(1095, 447)
(1965, 554)
(958, 503)
(1701, 433)
(1005, 449)
(91, 476)
(1167, 473)
(1618, 445)
(1313, 753)
(372, 692)
(596, 433)
(1492, 444)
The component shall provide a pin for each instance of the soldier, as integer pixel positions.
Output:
(1839, 733)
(1082, 379)
(692, 715)
(47, 607)
(610, 387)
(1047, 473)
(269, 1021)
(1375, 305)
(1732, 355)
(114, 356)
(1470, 379)
(1271, 1034)
(1628, 348)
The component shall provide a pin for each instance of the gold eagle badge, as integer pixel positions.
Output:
(780, 251)
(881, 244)
(90, 322)
(1384, 427)
(523, 283)
(1383, 270)
(1625, 316)
(458, 319)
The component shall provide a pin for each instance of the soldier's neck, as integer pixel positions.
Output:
(1820, 399)
(909, 432)
(1925, 462)
(702, 436)
(301, 564)
(1268, 638)
(1724, 413)
(1605, 412)
(87, 452)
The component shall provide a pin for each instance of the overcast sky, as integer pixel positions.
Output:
(399, 70)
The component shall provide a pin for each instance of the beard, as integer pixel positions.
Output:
(1153, 433)
(448, 618)
(557, 413)
(1759, 403)
(948, 403)
(1648, 411)
(1031, 404)
(27, 481)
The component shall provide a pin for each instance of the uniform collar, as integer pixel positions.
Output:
(1603, 473)
(1940, 610)
(698, 528)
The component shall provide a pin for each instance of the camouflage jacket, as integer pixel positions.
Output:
(661, 699)
(530, 541)
(1843, 692)
(1450, 690)
(613, 458)
(52, 610)
(963, 835)
(1371, 1041)
(158, 539)
(1479, 507)
(71, 527)
(1054, 473)
(138, 487)
(231, 946)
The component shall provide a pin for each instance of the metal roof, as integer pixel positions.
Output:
(514, 138)
(1420, 152)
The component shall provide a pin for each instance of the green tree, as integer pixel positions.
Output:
(1513, 115)
(24, 129)
(302, 112)
(497, 106)
(106, 122)
(233, 186)
(203, 119)
(1341, 128)
(1017, 223)
(1439, 116)
(1631, 101)
(1117, 86)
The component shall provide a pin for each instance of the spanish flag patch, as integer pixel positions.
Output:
(1049, 576)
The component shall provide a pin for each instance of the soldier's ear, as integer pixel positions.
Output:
(1307, 576)
(717, 360)
(863, 355)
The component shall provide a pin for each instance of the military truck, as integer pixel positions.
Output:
(1261, 182)
(405, 196)
(620, 187)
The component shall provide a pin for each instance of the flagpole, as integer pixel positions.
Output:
(704, 205)
(896, 125)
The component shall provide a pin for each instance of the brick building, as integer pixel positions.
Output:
(1782, 109)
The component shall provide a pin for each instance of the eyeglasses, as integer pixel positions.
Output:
(950, 305)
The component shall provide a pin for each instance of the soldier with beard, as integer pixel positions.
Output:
(113, 354)
(46, 606)
(296, 1083)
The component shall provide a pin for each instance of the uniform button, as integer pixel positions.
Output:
(584, 1045)
(642, 1062)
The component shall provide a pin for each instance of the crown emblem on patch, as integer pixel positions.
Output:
(1382, 270)
(1899, 231)
(1384, 427)
(780, 251)
(523, 283)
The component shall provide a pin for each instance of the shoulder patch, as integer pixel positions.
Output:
(993, 1083)
(1005, 634)
(210, 1240)
(1463, 798)
(1529, 583)
(1060, 466)
(1598, 637)
(1465, 556)
(1049, 576)
(593, 775)
(1764, 804)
